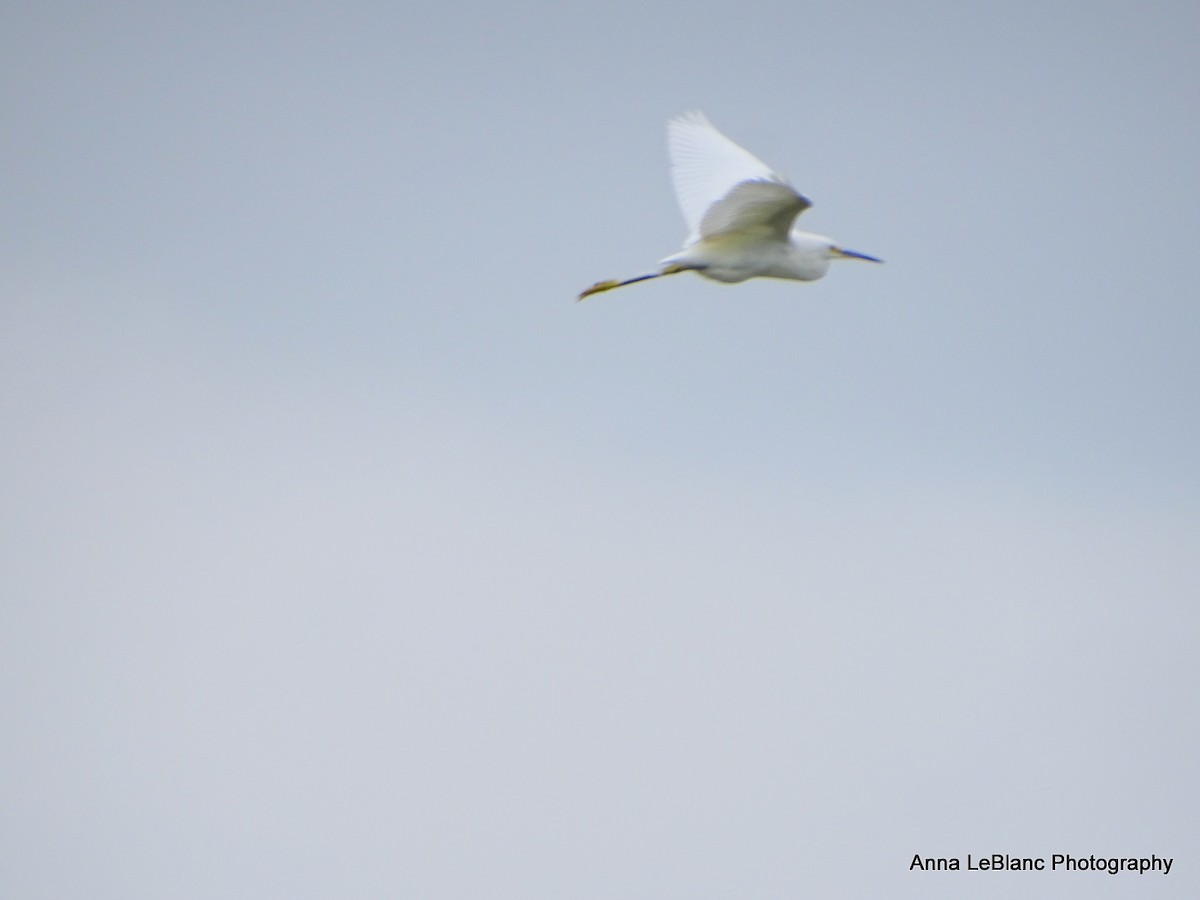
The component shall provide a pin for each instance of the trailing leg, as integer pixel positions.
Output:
(601, 286)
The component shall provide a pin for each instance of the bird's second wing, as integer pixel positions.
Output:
(768, 207)
(706, 166)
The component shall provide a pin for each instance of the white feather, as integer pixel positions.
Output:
(721, 186)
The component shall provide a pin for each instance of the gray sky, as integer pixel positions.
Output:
(346, 556)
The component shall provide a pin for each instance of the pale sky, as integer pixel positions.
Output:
(345, 555)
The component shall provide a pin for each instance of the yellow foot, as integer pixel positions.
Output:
(599, 287)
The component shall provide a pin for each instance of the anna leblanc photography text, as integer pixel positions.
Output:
(1113, 865)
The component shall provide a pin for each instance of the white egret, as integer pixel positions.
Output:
(739, 213)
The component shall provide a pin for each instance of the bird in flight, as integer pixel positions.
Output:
(739, 213)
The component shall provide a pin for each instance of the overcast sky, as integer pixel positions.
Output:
(345, 555)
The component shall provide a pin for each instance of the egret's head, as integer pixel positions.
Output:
(812, 255)
(836, 252)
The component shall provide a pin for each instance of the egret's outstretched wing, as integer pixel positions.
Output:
(706, 167)
(766, 207)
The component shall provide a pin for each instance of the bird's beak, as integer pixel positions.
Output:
(854, 254)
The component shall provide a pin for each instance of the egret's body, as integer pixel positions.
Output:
(739, 213)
